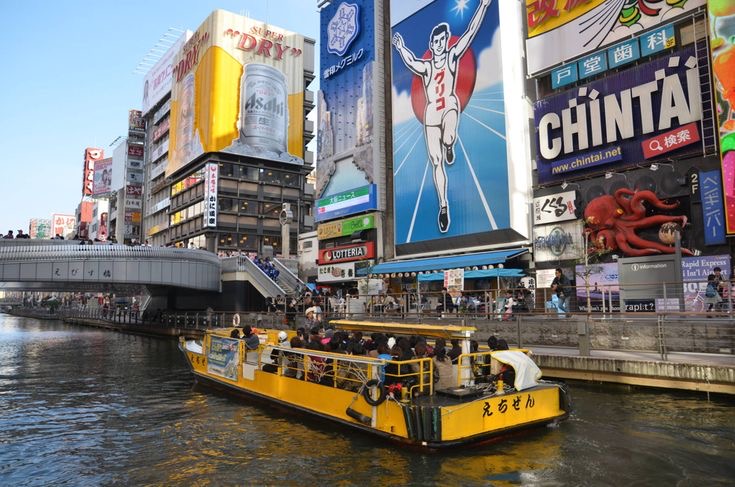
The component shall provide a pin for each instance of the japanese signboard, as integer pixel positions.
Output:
(63, 225)
(211, 174)
(40, 228)
(158, 80)
(91, 155)
(670, 141)
(559, 241)
(454, 281)
(343, 228)
(559, 30)
(713, 214)
(346, 203)
(347, 253)
(554, 208)
(613, 115)
(348, 109)
(336, 272)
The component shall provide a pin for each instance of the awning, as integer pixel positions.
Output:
(448, 262)
(478, 274)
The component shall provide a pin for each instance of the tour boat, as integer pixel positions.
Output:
(394, 399)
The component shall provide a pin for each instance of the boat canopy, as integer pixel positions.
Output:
(421, 329)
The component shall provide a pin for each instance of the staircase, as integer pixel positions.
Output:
(287, 279)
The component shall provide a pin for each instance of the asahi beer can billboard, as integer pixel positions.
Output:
(264, 107)
(238, 87)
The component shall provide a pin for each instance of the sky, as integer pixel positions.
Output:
(67, 83)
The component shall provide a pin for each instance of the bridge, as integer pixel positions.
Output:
(67, 266)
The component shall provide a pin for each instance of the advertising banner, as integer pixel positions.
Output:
(560, 241)
(450, 173)
(722, 42)
(40, 228)
(211, 177)
(135, 150)
(223, 356)
(601, 280)
(347, 253)
(158, 80)
(136, 123)
(559, 30)
(346, 203)
(346, 105)
(238, 87)
(91, 155)
(63, 225)
(343, 228)
(712, 212)
(454, 281)
(336, 272)
(102, 176)
(555, 208)
(694, 272)
(612, 119)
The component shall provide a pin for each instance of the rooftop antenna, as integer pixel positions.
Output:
(156, 52)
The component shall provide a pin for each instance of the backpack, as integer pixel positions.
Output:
(711, 292)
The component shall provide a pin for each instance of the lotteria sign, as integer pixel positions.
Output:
(346, 203)
(347, 253)
(606, 121)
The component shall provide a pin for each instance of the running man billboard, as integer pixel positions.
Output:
(238, 87)
(450, 165)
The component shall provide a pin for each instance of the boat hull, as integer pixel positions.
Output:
(433, 422)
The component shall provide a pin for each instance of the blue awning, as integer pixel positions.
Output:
(478, 274)
(449, 262)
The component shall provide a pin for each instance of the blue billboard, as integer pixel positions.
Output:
(450, 169)
(613, 121)
(345, 100)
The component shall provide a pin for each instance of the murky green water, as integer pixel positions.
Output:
(80, 406)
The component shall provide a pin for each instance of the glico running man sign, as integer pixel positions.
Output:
(449, 150)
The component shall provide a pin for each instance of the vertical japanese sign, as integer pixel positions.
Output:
(454, 281)
(713, 215)
(211, 172)
(91, 154)
(722, 42)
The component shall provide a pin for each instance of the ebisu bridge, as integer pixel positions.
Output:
(66, 266)
(181, 278)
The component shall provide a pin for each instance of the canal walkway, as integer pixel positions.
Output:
(679, 370)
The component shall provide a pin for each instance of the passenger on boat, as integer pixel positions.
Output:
(235, 333)
(443, 367)
(251, 339)
(295, 367)
(421, 368)
(383, 353)
(455, 352)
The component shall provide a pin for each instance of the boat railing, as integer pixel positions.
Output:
(475, 367)
(349, 372)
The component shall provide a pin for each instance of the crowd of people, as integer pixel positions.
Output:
(20, 234)
(445, 357)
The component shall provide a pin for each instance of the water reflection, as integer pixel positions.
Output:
(82, 406)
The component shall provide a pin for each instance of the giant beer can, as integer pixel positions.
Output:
(264, 108)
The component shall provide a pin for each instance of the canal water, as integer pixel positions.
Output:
(80, 406)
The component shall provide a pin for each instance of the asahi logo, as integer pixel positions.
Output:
(272, 105)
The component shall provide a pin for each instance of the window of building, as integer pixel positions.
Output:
(227, 240)
(248, 207)
(227, 204)
(272, 210)
(226, 169)
(248, 172)
(291, 180)
(270, 176)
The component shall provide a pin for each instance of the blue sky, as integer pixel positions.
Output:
(67, 83)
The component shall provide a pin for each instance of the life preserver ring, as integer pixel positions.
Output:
(236, 319)
(367, 392)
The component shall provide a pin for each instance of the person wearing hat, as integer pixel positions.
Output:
(20, 234)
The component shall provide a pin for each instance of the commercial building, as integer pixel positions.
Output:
(626, 150)
(237, 137)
